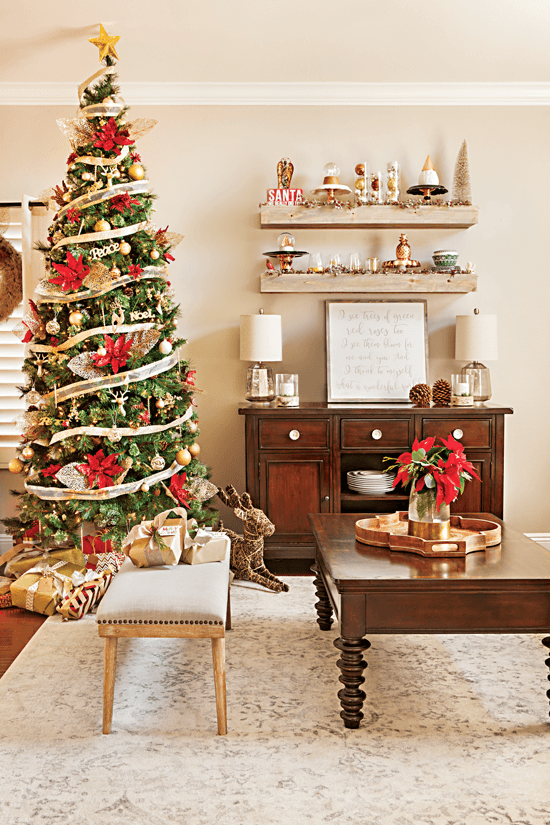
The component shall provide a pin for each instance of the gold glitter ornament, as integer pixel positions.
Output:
(184, 457)
(125, 248)
(115, 272)
(136, 171)
(102, 226)
(105, 44)
(157, 463)
(16, 466)
(194, 449)
(155, 254)
(159, 404)
(27, 453)
(360, 184)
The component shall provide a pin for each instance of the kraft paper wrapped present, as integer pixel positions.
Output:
(157, 542)
(29, 557)
(41, 588)
(205, 546)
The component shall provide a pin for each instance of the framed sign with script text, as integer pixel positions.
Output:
(376, 350)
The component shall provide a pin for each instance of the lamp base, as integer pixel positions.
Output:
(481, 378)
(260, 384)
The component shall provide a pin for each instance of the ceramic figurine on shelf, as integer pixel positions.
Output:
(402, 256)
(428, 183)
(285, 170)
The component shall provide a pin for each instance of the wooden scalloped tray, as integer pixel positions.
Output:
(390, 530)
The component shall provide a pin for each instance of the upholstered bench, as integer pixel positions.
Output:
(184, 601)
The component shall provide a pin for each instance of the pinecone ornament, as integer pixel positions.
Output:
(421, 395)
(441, 393)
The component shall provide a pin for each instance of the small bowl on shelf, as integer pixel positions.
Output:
(445, 258)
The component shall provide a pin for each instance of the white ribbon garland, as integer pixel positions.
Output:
(101, 236)
(128, 431)
(136, 188)
(130, 377)
(62, 298)
(58, 494)
(111, 329)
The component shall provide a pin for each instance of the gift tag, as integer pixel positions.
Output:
(167, 531)
(45, 584)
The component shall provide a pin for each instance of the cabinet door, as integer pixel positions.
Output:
(477, 497)
(291, 486)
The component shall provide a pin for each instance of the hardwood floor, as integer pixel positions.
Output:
(17, 626)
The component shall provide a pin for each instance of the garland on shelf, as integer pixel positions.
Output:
(408, 204)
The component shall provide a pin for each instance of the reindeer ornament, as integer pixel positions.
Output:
(247, 551)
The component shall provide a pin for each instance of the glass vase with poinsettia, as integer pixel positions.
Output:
(437, 469)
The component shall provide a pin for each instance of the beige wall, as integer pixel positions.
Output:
(210, 167)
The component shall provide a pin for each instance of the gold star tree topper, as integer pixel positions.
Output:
(105, 44)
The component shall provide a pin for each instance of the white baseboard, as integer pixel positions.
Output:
(540, 538)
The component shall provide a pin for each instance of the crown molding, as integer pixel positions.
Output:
(291, 94)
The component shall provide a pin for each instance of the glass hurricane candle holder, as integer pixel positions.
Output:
(286, 388)
(392, 182)
(462, 390)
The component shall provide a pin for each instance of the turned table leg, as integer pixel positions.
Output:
(546, 643)
(351, 664)
(323, 606)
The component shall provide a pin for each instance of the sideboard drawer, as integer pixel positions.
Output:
(372, 433)
(476, 432)
(289, 433)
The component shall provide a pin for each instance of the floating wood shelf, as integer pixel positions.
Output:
(376, 282)
(369, 217)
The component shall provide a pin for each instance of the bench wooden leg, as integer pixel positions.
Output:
(218, 657)
(109, 668)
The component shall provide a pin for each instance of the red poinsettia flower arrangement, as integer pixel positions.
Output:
(73, 215)
(116, 354)
(51, 470)
(430, 465)
(70, 275)
(121, 202)
(135, 271)
(111, 137)
(100, 468)
(178, 490)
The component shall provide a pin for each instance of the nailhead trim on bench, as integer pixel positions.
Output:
(151, 621)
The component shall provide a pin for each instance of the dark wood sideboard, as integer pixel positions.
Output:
(297, 459)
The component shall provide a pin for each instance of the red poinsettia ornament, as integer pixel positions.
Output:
(116, 354)
(71, 275)
(121, 202)
(100, 468)
(110, 136)
(51, 470)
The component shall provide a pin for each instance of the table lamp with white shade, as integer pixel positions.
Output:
(261, 340)
(476, 339)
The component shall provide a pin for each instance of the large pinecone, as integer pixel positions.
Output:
(421, 395)
(441, 393)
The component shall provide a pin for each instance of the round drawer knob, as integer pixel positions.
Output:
(458, 433)
(327, 498)
(294, 435)
(376, 434)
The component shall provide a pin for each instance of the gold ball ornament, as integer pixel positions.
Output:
(194, 449)
(53, 327)
(125, 248)
(16, 466)
(184, 457)
(136, 171)
(27, 453)
(193, 426)
(87, 176)
(155, 254)
(392, 184)
(75, 318)
(360, 184)
(144, 487)
(101, 351)
(102, 226)
(115, 272)
(360, 169)
(159, 404)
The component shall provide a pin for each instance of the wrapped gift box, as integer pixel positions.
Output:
(157, 542)
(42, 588)
(83, 598)
(205, 546)
(30, 557)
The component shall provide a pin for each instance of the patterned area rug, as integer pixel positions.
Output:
(455, 732)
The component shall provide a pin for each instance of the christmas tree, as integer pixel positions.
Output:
(109, 435)
(462, 184)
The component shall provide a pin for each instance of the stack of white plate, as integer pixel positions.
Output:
(370, 482)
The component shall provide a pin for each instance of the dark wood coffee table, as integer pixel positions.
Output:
(504, 589)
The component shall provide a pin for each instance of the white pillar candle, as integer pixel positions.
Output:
(462, 389)
(286, 389)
